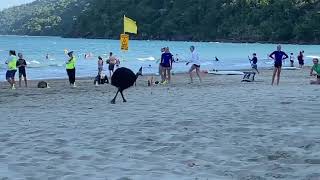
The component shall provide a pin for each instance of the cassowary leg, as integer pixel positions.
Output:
(114, 99)
(124, 100)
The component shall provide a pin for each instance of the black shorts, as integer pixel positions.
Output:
(10, 74)
(111, 67)
(278, 64)
(22, 72)
(165, 65)
(197, 66)
(301, 62)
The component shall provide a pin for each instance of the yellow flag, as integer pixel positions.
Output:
(130, 25)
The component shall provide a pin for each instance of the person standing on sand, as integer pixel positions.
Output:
(12, 68)
(316, 68)
(195, 60)
(22, 64)
(166, 63)
(161, 67)
(291, 60)
(112, 62)
(300, 59)
(71, 68)
(254, 62)
(100, 64)
(278, 56)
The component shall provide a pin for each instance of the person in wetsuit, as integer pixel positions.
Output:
(277, 56)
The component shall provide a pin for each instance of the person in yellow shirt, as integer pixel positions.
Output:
(71, 68)
(12, 68)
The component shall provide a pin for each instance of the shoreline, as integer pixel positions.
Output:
(304, 70)
(205, 71)
(184, 40)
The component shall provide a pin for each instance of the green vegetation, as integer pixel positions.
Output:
(42, 17)
(199, 20)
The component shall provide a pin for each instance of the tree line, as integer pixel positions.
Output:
(289, 21)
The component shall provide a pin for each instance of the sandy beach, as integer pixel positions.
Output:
(219, 130)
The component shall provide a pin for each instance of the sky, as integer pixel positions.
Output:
(9, 3)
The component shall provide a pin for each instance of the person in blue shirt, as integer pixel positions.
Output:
(278, 56)
(166, 63)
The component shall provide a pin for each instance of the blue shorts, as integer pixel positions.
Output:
(10, 74)
(254, 66)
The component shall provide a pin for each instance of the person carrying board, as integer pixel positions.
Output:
(254, 62)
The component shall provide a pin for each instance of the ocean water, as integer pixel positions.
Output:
(144, 54)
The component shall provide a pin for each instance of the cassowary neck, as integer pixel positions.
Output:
(137, 75)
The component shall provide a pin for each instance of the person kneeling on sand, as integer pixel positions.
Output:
(316, 68)
(101, 78)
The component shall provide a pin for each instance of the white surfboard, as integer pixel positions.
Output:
(290, 68)
(226, 72)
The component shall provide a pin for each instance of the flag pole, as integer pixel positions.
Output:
(124, 16)
(124, 32)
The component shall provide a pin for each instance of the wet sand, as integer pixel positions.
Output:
(220, 129)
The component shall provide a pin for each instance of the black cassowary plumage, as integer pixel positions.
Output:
(123, 78)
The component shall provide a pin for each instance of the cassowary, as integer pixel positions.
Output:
(123, 78)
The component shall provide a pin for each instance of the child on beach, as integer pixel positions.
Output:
(117, 63)
(12, 68)
(254, 62)
(278, 56)
(291, 60)
(71, 68)
(148, 71)
(22, 64)
(316, 68)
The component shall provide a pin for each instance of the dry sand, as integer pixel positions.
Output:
(220, 129)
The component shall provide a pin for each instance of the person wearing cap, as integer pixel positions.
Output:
(71, 69)
(21, 65)
(12, 68)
